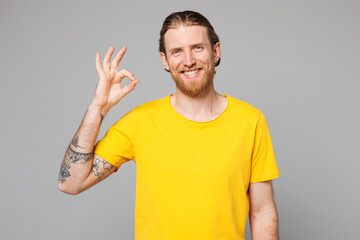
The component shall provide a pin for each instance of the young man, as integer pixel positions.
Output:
(204, 160)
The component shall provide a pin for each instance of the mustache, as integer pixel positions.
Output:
(192, 68)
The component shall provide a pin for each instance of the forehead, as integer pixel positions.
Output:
(183, 36)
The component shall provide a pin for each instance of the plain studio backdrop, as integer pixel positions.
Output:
(297, 61)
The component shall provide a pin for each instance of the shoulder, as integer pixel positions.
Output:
(244, 109)
(147, 109)
(151, 107)
(152, 104)
(140, 113)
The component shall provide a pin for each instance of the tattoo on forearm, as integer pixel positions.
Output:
(77, 157)
(64, 172)
(75, 142)
(72, 157)
(99, 168)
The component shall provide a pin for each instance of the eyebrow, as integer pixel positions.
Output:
(193, 45)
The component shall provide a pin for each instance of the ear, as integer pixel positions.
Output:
(164, 60)
(217, 52)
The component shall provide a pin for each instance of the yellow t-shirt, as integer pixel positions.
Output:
(192, 178)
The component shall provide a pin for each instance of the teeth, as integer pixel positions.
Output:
(191, 72)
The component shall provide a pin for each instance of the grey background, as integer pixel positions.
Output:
(297, 61)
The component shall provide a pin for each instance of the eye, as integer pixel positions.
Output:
(198, 47)
(175, 52)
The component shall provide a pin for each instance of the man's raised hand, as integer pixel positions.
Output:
(109, 92)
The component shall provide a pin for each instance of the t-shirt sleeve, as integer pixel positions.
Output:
(263, 166)
(116, 147)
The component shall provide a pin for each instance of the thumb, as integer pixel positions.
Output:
(131, 86)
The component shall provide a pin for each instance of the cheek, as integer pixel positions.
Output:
(174, 64)
(205, 58)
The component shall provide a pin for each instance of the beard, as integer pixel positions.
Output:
(194, 87)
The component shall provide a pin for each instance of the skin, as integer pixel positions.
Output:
(81, 168)
(187, 48)
(263, 215)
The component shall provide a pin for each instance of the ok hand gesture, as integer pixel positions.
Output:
(109, 92)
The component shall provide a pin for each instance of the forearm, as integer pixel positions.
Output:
(79, 170)
(264, 223)
(78, 158)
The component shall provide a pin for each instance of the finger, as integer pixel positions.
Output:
(99, 68)
(131, 86)
(107, 58)
(124, 73)
(116, 61)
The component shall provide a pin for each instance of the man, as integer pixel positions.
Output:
(204, 160)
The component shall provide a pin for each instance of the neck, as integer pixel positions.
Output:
(203, 107)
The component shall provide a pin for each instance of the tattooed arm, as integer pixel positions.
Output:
(81, 168)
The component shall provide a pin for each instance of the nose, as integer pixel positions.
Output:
(189, 59)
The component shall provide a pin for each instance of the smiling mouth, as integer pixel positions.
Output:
(190, 72)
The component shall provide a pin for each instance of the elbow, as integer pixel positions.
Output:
(71, 190)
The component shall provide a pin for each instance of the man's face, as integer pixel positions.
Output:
(190, 58)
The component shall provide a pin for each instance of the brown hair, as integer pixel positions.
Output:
(187, 18)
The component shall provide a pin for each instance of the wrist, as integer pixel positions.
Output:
(98, 110)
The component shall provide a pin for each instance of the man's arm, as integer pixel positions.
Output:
(81, 168)
(263, 214)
